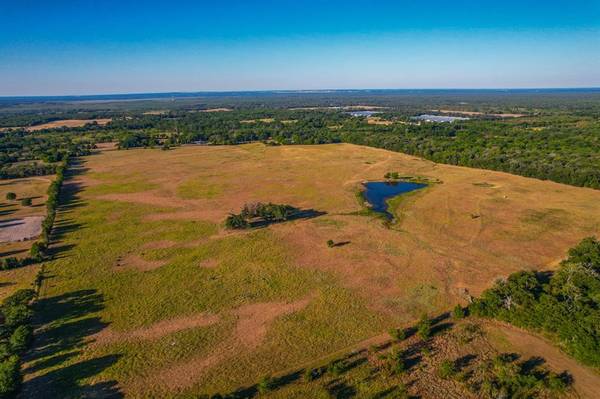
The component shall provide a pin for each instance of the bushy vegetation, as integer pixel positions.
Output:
(257, 214)
(39, 248)
(15, 338)
(564, 305)
(503, 377)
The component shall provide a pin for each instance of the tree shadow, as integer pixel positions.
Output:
(64, 325)
(340, 389)
(296, 215)
(341, 244)
(11, 253)
(68, 200)
(464, 361)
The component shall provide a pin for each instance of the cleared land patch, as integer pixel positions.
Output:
(67, 123)
(282, 296)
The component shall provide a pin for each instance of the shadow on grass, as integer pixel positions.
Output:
(64, 325)
(68, 199)
(297, 215)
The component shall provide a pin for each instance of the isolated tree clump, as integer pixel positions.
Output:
(259, 213)
(11, 196)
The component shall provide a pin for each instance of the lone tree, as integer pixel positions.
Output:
(330, 243)
(11, 196)
(26, 202)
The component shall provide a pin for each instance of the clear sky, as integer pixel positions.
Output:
(107, 46)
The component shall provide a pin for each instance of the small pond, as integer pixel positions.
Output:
(378, 192)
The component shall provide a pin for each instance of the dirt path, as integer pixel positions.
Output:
(250, 331)
(156, 330)
(586, 381)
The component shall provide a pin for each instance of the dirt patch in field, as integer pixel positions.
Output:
(251, 329)
(159, 244)
(378, 121)
(156, 330)
(137, 262)
(209, 263)
(254, 320)
(24, 229)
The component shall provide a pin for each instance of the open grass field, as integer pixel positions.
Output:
(65, 123)
(18, 222)
(149, 296)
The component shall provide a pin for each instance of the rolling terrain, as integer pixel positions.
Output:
(148, 294)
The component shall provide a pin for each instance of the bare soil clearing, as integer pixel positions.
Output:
(24, 229)
(157, 330)
(67, 123)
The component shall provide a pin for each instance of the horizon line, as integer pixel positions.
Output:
(293, 91)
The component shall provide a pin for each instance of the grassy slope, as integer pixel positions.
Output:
(382, 278)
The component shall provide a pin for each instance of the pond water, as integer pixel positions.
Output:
(378, 192)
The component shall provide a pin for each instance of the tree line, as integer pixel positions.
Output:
(39, 248)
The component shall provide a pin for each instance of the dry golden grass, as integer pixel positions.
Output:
(167, 207)
(373, 120)
(67, 123)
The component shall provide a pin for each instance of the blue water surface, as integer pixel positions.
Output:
(378, 192)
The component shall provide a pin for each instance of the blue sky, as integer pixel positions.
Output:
(92, 47)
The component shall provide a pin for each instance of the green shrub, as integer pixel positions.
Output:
(16, 315)
(424, 327)
(236, 222)
(10, 376)
(20, 338)
(37, 251)
(26, 202)
(266, 384)
(335, 368)
(330, 243)
(447, 369)
(458, 312)
(398, 334)
(19, 297)
(11, 196)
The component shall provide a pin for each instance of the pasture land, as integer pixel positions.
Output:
(19, 223)
(150, 296)
(67, 123)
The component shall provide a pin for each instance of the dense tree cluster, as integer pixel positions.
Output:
(258, 214)
(15, 337)
(565, 305)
